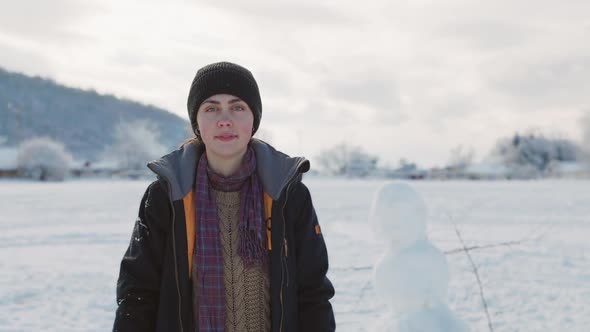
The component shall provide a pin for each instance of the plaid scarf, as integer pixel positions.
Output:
(208, 254)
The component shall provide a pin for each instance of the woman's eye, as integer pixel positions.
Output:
(211, 109)
(238, 108)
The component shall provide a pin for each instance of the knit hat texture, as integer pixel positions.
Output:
(224, 78)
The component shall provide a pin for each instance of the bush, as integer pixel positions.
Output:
(43, 159)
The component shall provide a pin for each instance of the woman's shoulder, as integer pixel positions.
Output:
(156, 188)
(300, 194)
(156, 196)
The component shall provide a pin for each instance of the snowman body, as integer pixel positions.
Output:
(412, 275)
(413, 278)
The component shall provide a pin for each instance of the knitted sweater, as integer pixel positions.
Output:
(247, 289)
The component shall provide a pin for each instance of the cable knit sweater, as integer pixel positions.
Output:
(247, 289)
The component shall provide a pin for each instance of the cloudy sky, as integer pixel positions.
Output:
(404, 79)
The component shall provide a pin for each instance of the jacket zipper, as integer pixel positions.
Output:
(175, 258)
(284, 255)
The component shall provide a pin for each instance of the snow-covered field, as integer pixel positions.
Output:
(60, 246)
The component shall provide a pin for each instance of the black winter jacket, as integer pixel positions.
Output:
(154, 290)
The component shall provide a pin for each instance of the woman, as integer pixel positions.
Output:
(227, 238)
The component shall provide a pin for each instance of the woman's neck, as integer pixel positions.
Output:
(225, 166)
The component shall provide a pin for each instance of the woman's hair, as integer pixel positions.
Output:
(191, 140)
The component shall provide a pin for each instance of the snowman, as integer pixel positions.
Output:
(412, 276)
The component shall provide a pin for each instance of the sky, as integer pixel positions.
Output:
(401, 79)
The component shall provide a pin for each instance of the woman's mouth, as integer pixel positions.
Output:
(226, 138)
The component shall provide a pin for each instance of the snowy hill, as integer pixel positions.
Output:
(82, 120)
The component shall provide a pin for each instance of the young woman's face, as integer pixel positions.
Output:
(225, 123)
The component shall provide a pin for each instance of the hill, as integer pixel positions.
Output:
(83, 120)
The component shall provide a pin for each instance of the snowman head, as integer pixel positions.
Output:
(398, 215)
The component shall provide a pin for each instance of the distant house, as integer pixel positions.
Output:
(361, 166)
(479, 171)
(8, 164)
(486, 171)
(94, 169)
(438, 173)
(407, 171)
(107, 169)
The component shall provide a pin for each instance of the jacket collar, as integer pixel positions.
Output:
(274, 168)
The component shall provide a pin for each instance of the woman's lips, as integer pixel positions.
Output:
(226, 138)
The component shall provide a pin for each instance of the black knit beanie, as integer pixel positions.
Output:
(224, 77)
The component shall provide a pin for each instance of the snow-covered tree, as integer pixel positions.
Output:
(361, 163)
(135, 143)
(534, 152)
(461, 158)
(346, 160)
(334, 160)
(43, 159)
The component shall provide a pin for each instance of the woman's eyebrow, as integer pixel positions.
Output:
(211, 101)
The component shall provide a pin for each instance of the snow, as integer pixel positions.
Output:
(61, 244)
(437, 318)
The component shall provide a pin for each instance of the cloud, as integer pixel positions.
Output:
(283, 12)
(46, 21)
(370, 89)
(485, 35)
(23, 60)
(307, 114)
(275, 82)
(548, 83)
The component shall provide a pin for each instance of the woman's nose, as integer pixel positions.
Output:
(224, 121)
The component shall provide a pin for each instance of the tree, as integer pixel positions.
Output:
(43, 159)
(345, 160)
(334, 160)
(534, 152)
(135, 143)
(360, 163)
(461, 158)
